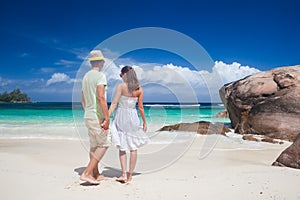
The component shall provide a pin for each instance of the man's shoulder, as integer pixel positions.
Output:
(95, 73)
(101, 73)
(98, 73)
(88, 73)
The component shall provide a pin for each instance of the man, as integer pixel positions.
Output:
(95, 115)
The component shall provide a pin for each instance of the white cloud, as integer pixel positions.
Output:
(67, 63)
(23, 55)
(110, 54)
(185, 84)
(234, 71)
(81, 53)
(47, 69)
(41, 89)
(60, 77)
(2, 82)
(160, 82)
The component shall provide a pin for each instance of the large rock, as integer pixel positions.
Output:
(201, 127)
(266, 103)
(222, 114)
(290, 157)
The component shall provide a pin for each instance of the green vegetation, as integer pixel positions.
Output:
(15, 96)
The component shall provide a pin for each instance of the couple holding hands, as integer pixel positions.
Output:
(125, 131)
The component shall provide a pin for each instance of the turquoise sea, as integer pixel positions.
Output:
(63, 120)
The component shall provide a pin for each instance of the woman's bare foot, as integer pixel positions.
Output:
(122, 179)
(90, 179)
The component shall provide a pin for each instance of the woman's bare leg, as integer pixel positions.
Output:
(123, 162)
(133, 159)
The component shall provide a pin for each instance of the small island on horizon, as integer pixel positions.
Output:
(16, 96)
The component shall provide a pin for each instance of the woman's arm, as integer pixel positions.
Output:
(115, 101)
(141, 108)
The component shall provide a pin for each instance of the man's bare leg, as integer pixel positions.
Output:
(96, 154)
(87, 175)
(96, 173)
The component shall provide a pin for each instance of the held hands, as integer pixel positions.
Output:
(105, 124)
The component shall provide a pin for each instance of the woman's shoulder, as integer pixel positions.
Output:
(121, 85)
(140, 89)
(138, 92)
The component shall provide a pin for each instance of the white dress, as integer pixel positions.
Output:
(127, 133)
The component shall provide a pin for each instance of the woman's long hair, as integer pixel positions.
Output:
(131, 78)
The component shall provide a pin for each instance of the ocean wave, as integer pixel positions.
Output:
(30, 137)
(172, 105)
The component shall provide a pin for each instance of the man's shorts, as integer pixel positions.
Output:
(98, 136)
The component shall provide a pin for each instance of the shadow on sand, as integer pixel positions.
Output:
(109, 172)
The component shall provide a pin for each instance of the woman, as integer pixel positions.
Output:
(126, 131)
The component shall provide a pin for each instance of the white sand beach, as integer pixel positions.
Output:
(49, 169)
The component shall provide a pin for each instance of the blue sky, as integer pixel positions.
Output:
(43, 43)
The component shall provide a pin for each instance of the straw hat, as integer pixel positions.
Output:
(96, 55)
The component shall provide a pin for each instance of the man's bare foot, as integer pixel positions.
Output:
(90, 179)
(122, 179)
(100, 177)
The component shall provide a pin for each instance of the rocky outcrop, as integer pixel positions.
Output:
(261, 138)
(290, 157)
(201, 127)
(266, 103)
(222, 114)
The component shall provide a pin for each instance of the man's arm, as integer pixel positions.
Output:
(82, 100)
(103, 106)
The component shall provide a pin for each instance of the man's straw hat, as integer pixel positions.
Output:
(96, 55)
